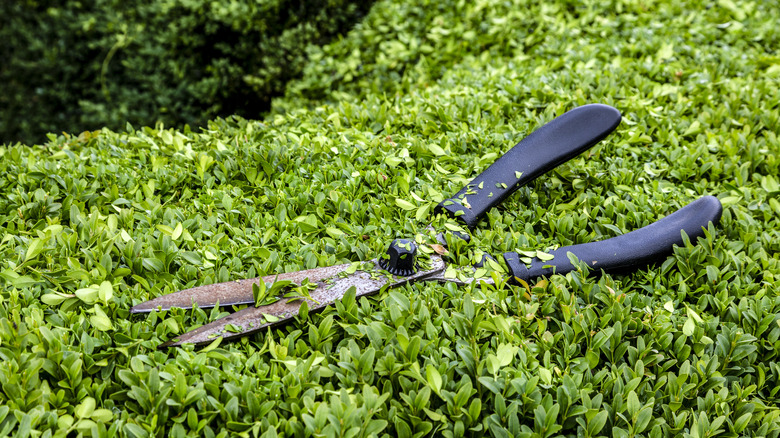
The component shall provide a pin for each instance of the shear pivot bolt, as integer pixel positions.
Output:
(401, 258)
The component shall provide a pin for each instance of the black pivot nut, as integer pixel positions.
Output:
(402, 258)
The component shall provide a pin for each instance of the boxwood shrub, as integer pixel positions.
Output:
(420, 97)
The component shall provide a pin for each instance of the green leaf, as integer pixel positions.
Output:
(102, 415)
(436, 149)
(694, 128)
(422, 212)
(490, 384)
(259, 292)
(543, 256)
(643, 418)
(404, 204)
(545, 375)
(736, 10)
(334, 232)
(135, 431)
(89, 295)
(191, 257)
(177, 231)
(166, 137)
(100, 320)
(55, 299)
(712, 273)
(153, 264)
(16, 280)
(665, 52)
(632, 402)
(435, 416)
(278, 286)
(86, 408)
(165, 229)
(393, 161)
(307, 224)
(770, 184)
(106, 292)
(506, 354)
(729, 201)
(232, 328)
(270, 318)
(689, 327)
(434, 378)
(692, 313)
(597, 423)
(63, 422)
(742, 422)
(35, 248)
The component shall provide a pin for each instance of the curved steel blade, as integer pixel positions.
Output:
(230, 293)
(329, 290)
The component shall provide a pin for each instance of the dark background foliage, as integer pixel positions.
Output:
(73, 66)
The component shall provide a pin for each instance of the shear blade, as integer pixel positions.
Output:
(329, 289)
(230, 293)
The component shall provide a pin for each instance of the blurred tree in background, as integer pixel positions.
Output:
(81, 65)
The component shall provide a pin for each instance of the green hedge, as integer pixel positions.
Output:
(75, 66)
(92, 224)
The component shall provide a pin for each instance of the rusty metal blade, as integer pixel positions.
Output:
(329, 290)
(230, 293)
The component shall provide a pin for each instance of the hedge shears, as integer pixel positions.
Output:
(275, 299)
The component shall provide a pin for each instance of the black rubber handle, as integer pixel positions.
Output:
(563, 138)
(629, 251)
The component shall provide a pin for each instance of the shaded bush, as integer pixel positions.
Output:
(95, 223)
(72, 66)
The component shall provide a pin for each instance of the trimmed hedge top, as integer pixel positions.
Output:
(385, 123)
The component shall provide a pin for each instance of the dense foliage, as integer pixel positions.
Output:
(386, 122)
(73, 66)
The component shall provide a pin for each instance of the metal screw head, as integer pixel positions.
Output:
(402, 258)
